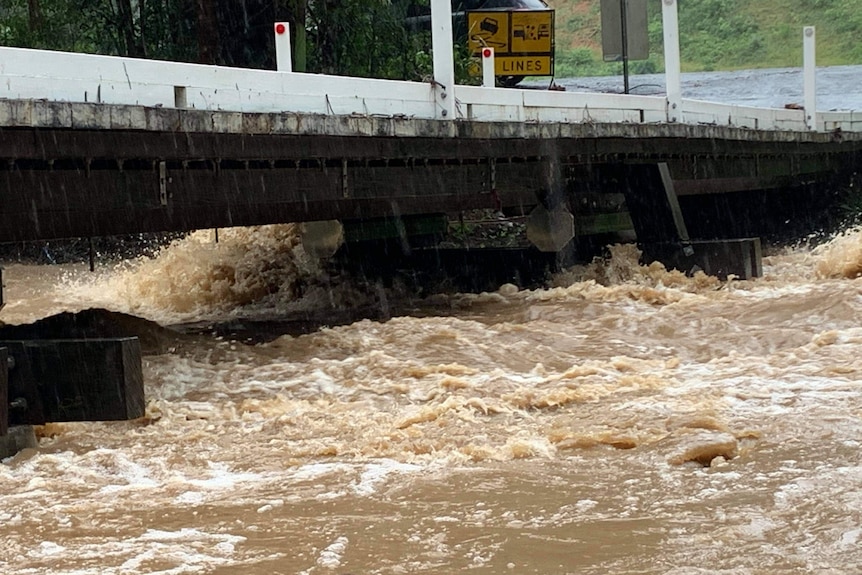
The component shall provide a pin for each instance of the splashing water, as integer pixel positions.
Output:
(841, 257)
(195, 277)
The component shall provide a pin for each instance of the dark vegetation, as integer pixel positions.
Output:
(356, 37)
(369, 37)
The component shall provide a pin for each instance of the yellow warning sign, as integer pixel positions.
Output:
(532, 32)
(523, 41)
(489, 29)
(523, 66)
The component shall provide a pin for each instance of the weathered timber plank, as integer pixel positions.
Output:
(64, 143)
(728, 185)
(74, 224)
(42, 204)
(76, 380)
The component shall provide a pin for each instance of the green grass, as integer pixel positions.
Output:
(718, 35)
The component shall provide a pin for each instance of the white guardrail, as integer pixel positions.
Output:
(71, 77)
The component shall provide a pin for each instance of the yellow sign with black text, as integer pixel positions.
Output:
(523, 41)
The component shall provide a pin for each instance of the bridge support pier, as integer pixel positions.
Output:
(663, 236)
(740, 258)
(45, 380)
(12, 439)
(653, 204)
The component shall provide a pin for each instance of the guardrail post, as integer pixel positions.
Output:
(810, 76)
(444, 58)
(489, 79)
(670, 25)
(181, 99)
(282, 47)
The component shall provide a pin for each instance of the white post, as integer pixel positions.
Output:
(488, 75)
(809, 66)
(444, 58)
(670, 24)
(282, 47)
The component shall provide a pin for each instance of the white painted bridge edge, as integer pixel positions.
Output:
(72, 77)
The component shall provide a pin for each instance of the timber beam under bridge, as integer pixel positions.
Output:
(83, 169)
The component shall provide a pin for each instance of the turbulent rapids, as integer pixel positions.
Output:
(623, 419)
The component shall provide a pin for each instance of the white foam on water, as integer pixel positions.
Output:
(331, 557)
(373, 475)
(315, 470)
(47, 548)
(134, 474)
(187, 550)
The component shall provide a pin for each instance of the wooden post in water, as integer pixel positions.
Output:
(92, 254)
(4, 391)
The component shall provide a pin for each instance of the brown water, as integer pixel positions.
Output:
(633, 422)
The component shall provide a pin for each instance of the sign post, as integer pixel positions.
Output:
(625, 34)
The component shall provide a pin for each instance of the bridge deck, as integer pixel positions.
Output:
(77, 169)
(98, 145)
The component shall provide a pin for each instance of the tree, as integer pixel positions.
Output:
(132, 36)
(35, 15)
(355, 37)
(208, 32)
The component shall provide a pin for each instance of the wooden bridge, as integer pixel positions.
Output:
(97, 145)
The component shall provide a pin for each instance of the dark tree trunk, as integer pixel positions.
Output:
(296, 14)
(208, 34)
(35, 12)
(142, 18)
(133, 46)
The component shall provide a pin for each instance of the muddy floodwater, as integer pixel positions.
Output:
(623, 419)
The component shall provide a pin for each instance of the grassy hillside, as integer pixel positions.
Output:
(718, 34)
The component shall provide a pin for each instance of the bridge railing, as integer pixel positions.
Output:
(844, 121)
(73, 77)
(70, 77)
(698, 112)
(491, 104)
